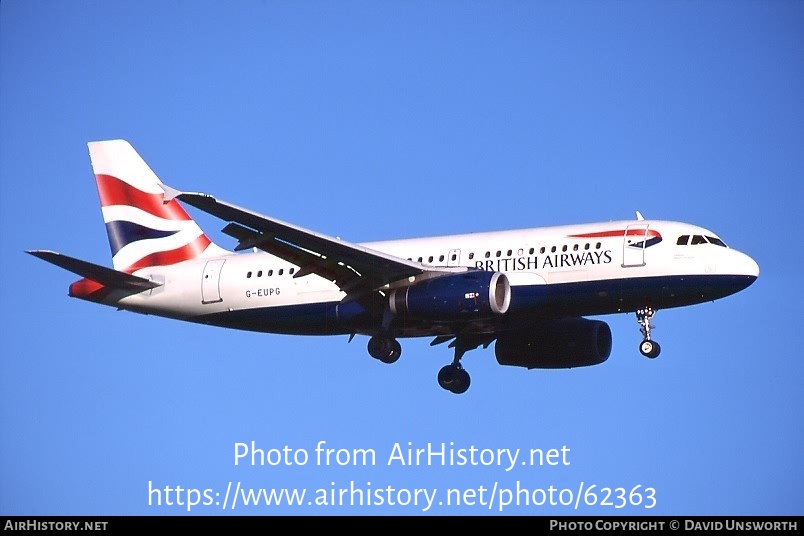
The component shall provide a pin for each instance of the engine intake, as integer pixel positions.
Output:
(573, 342)
(461, 296)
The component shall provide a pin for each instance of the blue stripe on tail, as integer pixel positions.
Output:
(122, 233)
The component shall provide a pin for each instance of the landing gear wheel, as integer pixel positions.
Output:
(650, 348)
(464, 380)
(454, 378)
(385, 349)
(396, 351)
(647, 347)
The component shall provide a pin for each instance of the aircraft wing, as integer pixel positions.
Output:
(355, 269)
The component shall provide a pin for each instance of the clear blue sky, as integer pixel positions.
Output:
(386, 120)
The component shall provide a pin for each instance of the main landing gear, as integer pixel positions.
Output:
(454, 378)
(647, 347)
(386, 349)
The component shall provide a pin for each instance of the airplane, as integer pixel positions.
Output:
(529, 290)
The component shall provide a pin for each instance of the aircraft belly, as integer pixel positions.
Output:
(317, 318)
(322, 313)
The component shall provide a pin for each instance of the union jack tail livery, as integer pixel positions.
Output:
(144, 230)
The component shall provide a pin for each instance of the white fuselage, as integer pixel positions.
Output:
(641, 260)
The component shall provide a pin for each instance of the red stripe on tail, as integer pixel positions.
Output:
(163, 258)
(113, 191)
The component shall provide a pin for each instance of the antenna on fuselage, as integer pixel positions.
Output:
(639, 216)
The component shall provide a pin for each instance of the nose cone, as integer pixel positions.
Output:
(744, 268)
(747, 266)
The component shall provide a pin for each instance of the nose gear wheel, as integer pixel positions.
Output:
(648, 348)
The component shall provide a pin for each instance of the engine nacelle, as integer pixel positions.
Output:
(574, 342)
(454, 297)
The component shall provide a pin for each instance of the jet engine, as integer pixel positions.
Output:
(454, 297)
(568, 343)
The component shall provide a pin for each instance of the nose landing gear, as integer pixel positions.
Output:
(648, 348)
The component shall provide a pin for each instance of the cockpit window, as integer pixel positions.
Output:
(697, 239)
(683, 240)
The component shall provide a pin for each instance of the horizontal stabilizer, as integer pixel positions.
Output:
(95, 272)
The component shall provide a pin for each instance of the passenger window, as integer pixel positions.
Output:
(291, 271)
(499, 252)
(530, 251)
(420, 259)
(597, 246)
(259, 274)
(270, 273)
(248, 275)
(430, 258)
(575, 247)
(471, 256)
(553, 249)
(541, 250)
(454, 257)
(488, 254)
(441, 258)
(509, 253)
(281, 270)
(586, 246)
(564, 248)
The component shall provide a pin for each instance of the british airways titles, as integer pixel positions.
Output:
(570, 259)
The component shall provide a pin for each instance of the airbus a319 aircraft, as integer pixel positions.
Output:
(528, 290)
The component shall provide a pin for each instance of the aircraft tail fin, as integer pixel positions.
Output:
(144, 228)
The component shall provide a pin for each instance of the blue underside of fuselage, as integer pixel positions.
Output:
(529, 305)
